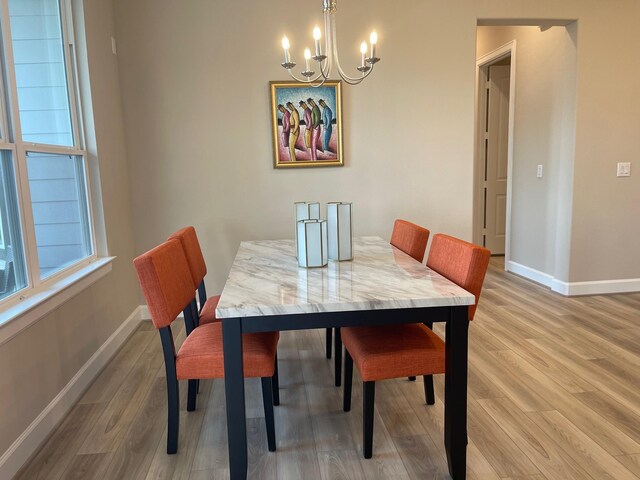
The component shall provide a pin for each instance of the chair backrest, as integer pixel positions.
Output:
(166, 282)
(410, 238)
(189, 240)
(461, 262)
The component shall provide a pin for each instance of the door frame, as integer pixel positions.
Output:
(482, 67)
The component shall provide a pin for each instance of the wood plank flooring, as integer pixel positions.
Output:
(554, 393)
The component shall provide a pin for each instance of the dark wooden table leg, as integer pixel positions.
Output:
(455, 392)
(337, 357)
(234, 393)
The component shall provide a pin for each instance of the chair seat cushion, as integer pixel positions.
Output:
(208, 312)
(200, 355)
(393, 351)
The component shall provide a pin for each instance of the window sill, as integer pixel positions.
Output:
(28, 311)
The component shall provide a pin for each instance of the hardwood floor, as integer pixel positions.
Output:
(554, 393)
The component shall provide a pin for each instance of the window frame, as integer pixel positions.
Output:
(11, 139)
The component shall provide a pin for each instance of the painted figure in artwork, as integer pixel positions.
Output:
(327, 118)
(286, 125)
(315, 128)
(306, 116)
(294, 125)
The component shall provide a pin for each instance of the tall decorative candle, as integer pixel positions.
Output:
(305, 211)
(339, 228)
(312, 243)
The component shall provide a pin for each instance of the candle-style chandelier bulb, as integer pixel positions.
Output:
(363, 66)
(373, 39)
(307, 57)
(288, 64)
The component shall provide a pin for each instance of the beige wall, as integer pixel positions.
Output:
(42, 359)
(544, 134)
(194, 79)
(606, 215)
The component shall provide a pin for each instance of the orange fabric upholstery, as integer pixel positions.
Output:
(166, 281)
(189, 240)
(393, 351)
(410, 238)
(461, 262)
(200, 356)
(208, 312)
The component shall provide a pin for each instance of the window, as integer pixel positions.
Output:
(12, 267)
(41, 72)
(45, 213)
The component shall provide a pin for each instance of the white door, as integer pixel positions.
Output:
(496, 158)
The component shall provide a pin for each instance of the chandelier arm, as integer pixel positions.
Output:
(357, 80)
(324, 75)
(349, 80)
(327, 45)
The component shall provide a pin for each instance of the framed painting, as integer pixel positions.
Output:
(307, 124)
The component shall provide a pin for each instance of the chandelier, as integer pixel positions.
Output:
(325, 58)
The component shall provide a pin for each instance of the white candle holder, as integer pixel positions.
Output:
(312, 243)
(340, 232)
(305, 211)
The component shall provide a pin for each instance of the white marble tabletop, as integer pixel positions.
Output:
(265, 280)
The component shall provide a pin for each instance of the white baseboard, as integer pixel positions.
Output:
(601, 287)
(530, 273)
(30, 440)
(569, 289)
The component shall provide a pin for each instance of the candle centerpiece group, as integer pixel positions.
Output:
(320, 240)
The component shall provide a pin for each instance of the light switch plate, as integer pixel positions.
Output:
(114, 49)
(539, 171)
(624, 169)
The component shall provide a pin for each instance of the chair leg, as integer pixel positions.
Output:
(173, 410)
(267, 401)
(412, 379)
(429, 394)
(196, 316)
(368, 399)
(328, 340)
(337, 348)
(191, 395)
(348, 379)
(275, 384)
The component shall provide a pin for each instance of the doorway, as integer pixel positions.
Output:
(495, 101)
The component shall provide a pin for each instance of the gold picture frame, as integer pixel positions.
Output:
(294, 106)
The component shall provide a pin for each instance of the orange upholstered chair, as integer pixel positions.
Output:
(193, 252)
(166, 282)
(408, 350)
(411, 239)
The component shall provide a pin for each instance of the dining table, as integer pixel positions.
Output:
(267, 291)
